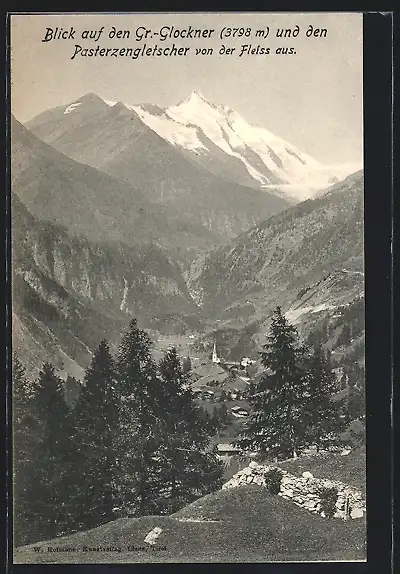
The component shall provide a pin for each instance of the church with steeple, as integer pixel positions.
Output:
(215, 358)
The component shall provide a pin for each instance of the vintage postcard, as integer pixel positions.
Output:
(187, 203)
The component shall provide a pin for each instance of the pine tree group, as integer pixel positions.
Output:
(291, 404)
(93, 444)
(322, 414)
(24, 440)
(133, 442)
(47, 507)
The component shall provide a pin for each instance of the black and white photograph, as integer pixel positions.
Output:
(188, 316)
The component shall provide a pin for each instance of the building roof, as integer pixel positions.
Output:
(204, 381)
(211, 369)
(226, 447)
(235, 382)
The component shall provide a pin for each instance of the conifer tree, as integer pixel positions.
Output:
(141, 408)
(186, 365)
(24, 440)
(356, 402)
(277, 420)
(223, 416)
(93, 471)
(48, 508)
(251, 389)
(186, 470)
(323, 422)
(72, 388)
(344, 338)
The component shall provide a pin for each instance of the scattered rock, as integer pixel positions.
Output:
(152, 536)
(259, 480)
(307, 474)
(356, 513)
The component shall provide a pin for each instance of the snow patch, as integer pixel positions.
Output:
(167, 128)
(71, 108)
(349, 272)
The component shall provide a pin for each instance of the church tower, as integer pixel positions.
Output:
(215, 358)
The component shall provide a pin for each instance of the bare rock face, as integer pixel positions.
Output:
(291, 244)
(69, 292)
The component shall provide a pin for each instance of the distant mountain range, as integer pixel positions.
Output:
(115, 141)
(93, 204)
(250, 154)
(117, 138)
(166, 215)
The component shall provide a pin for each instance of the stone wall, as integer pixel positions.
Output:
(303, 490)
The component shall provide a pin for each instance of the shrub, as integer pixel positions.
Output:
(329, 498)
(273, 479)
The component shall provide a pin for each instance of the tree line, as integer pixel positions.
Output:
(134, 443)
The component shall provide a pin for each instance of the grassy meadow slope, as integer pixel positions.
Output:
(246, 524)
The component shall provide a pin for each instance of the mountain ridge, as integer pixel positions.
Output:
(102, 207)
(127, 150)
(217, 138)
(308, 259)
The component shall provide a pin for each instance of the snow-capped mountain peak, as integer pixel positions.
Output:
(196, 95)
(268, 159)
(221, 140)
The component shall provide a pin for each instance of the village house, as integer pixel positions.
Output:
(239, 412)
(227, 450)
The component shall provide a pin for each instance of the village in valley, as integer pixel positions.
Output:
(216, 381)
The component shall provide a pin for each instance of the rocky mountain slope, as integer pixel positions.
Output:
(91, 203)
(308, 259)
(70, 292)
(104, 248)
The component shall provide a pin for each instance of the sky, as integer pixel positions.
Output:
(312, 99)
